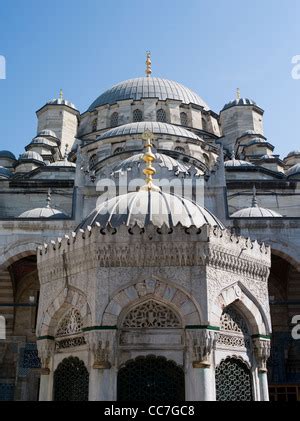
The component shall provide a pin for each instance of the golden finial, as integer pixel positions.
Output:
(148, 64)
(149, 158)
(238, 94)
(61, 95)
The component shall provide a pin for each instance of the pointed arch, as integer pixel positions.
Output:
(246, 304)
(67, 299)
(164, 292)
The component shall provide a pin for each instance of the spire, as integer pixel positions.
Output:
(238, 94)
(148, 64)
(254, 198)
(149, 158)
(61, 95)
(49, 199)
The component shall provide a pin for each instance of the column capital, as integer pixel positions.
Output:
(102, 345)
(201, 342)
(262, 350)
(46, 347)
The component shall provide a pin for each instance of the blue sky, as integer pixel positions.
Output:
(211, 47)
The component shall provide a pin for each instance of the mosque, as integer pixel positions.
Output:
(149, 251)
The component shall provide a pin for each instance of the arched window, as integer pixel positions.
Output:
(94, 124)
(179, 149)
(71, 381)
(234, 331)
(151, 314)
(161, 115)
(184, 119)
(233, 381)
(114, 119)
(69, 330)
(137, 116)
(151, 379)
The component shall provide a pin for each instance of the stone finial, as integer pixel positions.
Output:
(254, 198)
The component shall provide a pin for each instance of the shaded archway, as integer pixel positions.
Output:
(71, 381)
(151, 379)
(233, 381)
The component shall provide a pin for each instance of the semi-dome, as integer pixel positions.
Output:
(148, 87)
(237, 163)
(7, 155)
(294, 170)
(47, 212)
(31, 156)
(4, 172)
(161, 160)
(238, 103)
(154, 127)
(150, 206)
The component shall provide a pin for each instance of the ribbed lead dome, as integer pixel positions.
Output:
(148, 87)
(145, 207)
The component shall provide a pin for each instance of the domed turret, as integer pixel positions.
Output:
(46, 212)
(255, 211)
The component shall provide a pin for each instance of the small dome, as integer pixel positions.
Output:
(239, 103)
(154, 127)
(256, 140)
(30, 156)
(255, 211)
(150, 206)
(293, 153)
(161, 160)
(8, 155)
(237, 163)
(42, 141)
(47, 212)
(47, 133)
(148, 87)
(249, 133)
(4, 172)
(61, 101)
(294, 170)
(63, 163)
(267, 157)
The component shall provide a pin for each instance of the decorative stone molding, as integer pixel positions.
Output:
(102, 344)
(46, 349)
(68, 298)
(201, 342)
(157, 290)
(262, 351)
(179, 246)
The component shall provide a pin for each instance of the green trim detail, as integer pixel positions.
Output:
(203, 327)
(88, 329)
(262, 337)
(41, 338)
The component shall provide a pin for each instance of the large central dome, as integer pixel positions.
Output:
(148, 87)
